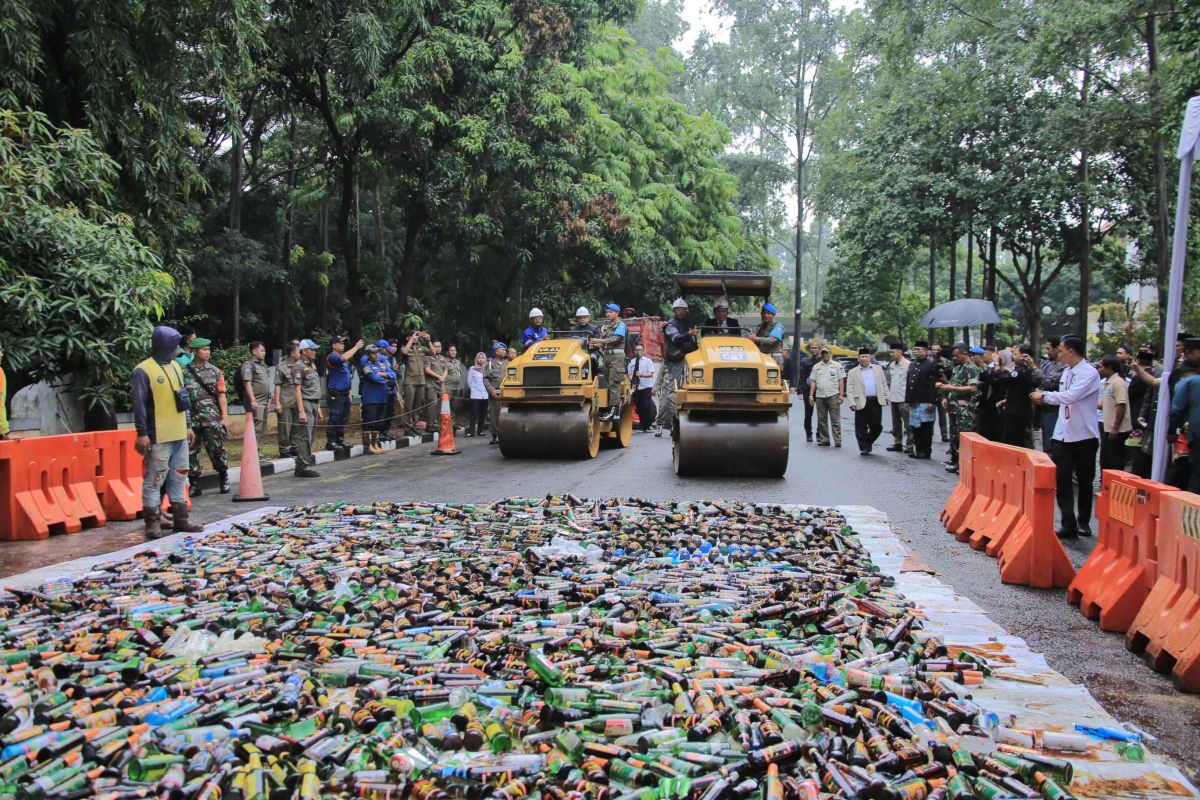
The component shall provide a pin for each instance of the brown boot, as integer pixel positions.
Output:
(150, 519)
(179, 512)
(375, 449)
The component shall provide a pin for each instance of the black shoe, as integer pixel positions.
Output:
(305, 472)
(953, 470)
(822, 444)
(808, 437)
(658, 433)
(950, 463)
(225, 488)
(839, 444)
(1066, 533)
(864, 452)
(945, 438)
(896, 448)
(1084, 530)
(194, 489)
(331, 445)
(285, 452)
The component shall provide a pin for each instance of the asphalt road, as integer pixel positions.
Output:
(910, 492)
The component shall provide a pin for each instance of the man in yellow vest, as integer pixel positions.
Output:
(164, 434)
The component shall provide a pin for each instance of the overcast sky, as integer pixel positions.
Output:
(700, 18)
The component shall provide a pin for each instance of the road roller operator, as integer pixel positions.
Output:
(610, 341)
(769, 334)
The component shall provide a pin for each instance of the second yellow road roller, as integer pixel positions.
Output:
(551, 399)
(731, 408)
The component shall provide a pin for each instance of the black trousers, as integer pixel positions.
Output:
(1078, 460)
(868, 423)
(923, 438)
(479, 416)
(371, 414)
(643, 401)
(1112, 451)
(339, 414)
(386, 415)
(808, 412)
(1049, 418)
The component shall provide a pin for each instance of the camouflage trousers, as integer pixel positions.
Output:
(960, 422)
(212, 439)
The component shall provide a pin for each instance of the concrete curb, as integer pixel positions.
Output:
(210, 482)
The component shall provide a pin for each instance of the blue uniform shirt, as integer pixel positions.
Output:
(776, 331)
(375, 379)
(532, 335)
(338, 378)
(621, 330)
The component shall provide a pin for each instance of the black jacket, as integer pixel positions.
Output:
(712, 326)
(922, 375)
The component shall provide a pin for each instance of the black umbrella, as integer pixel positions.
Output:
(961, 314)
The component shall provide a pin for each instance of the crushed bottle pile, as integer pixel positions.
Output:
(554, 648)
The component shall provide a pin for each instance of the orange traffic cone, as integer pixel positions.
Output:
(446, 430)
(250, 486)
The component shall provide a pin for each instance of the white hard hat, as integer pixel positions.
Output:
(582, 312)
(535, 312)
(679, 303)
(721, 302)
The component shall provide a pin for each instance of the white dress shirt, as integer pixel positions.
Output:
(868, 379)
(641, 364)
(1078, 394)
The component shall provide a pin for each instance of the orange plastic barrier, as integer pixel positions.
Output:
(1031, 553)
(119, 473)
(1118, 575)
(1004, 504)
(1167, 628)
(955, 510)
(47, 486)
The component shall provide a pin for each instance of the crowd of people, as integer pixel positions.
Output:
(1088, 414)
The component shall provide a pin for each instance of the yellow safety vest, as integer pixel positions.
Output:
(165, 379)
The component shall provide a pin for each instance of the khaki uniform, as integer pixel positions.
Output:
(283, 381)
(255, 372)
(414, 384)
(433, 389)
(493, 376)
(310, 393)
(298, 442)
(614, 357)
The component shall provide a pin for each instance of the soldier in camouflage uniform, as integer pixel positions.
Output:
(958, 397)
(205, 383)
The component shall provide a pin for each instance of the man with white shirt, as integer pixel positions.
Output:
(867, 388)
(641, 376)
(1075, 438)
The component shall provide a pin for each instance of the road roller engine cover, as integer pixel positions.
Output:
(732, 404)
(551, 402)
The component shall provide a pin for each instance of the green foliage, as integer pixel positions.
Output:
(79, 290)
(229, 360)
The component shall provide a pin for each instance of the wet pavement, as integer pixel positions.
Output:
(910, 492)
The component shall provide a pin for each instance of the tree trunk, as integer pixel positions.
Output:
(285, 296)
(235, 228)
(932, 278)
(817, 267)
(378, 209)
(970, 269)
(1085, 202)
(990, 280)
(799, 313)
(408, 266)
(953, 273)
(1162, 245)
(347, 228)
(1033, 316)
(323, 295)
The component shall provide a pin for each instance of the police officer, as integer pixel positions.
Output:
(769, 334)
(310, 393)
(493, 376)
(256, 389)
(205, 383)
(719, 323)
(338, 381)
(376, 386)
(301, 403)
(681, 340)
(435, 384)
(535, 332)
(610, 341)
(415, 349)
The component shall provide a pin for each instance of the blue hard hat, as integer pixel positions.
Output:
(383, 344)
(613, 307)
(770, 308)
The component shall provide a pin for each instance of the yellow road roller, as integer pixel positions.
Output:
(551, 399)
(731, 407)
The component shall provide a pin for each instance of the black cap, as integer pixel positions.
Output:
(1182, 336)
(864, 351)
(1191, 343)
(337, 339)
(898, 346)
(921, 343)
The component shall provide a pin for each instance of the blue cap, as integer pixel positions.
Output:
(382, 343)
(976, 351)
(613, 307)
(770, 308)
(499, 346)
(309, 344)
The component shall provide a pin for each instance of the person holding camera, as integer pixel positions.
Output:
(415, 350)
(164, 432)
